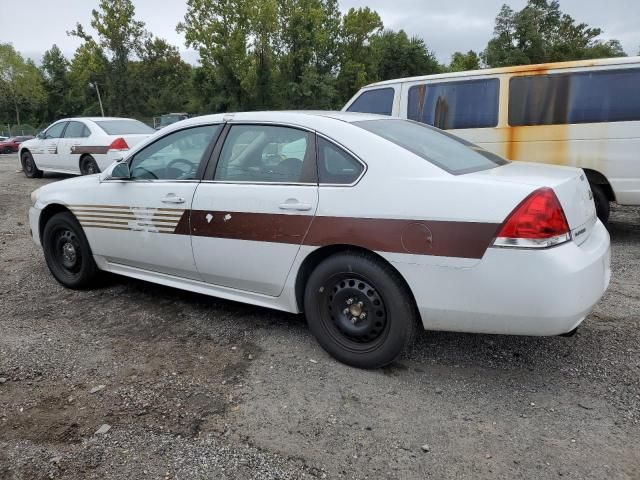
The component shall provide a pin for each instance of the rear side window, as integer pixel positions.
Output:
(378, 101)
(456, 105)
(124, 127)
(444, 150)
(585, 97)
(335, 166)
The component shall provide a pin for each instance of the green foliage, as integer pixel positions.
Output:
(21, 89)
(541, 33)
(399, 56)
(461, 62)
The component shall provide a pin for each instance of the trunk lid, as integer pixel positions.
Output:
(134, 139)
(569, 184)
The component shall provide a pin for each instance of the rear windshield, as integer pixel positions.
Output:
(124, 127)
(447, 151)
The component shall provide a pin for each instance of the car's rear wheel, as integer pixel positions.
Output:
(88, 165)
(603, 207)
(8, 150)
(359, 310)
(67, 252)
(29, 166)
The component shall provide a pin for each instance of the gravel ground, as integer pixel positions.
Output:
(196, 387)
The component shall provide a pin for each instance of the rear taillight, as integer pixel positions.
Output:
(119, 144)
(538, 222)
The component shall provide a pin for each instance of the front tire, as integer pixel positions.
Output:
(29, 166)
(67, 252)
(88, 165)
(8, 150)
(359, 310)
(603, 207)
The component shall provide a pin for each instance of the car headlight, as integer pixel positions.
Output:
(34, 196)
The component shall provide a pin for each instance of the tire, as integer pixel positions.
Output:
(29, 166)
(347, 285)
(88, 165)
(67, 252)
(603, 207)
(8, 150)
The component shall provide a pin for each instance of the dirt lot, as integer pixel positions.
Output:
(196, 387)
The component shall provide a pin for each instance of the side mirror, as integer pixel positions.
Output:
(120, 172)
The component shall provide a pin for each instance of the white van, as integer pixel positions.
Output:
(584, 114)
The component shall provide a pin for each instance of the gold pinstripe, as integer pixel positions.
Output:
(114, 217)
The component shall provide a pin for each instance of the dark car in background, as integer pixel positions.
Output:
(10, 145)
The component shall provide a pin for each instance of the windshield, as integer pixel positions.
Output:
(448, 152)
(124, 127)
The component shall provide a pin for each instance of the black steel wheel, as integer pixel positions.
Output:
(359, 310)
(67, 252)
(88, 165)
(29, 166)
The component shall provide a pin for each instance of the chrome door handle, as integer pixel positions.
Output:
(171, 198)
(298, 206)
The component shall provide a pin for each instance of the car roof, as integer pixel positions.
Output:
(94, 119)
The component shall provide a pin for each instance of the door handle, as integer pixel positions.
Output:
(172, 198)
(293, 204)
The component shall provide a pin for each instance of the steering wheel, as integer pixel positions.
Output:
(184, 172)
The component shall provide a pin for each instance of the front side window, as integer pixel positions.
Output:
(335, 166)
(456, 105)
(76, 130)
(174, 157)
(264, 153)
(444, 150)
(55, 131)
(378, 101)
(584, 97)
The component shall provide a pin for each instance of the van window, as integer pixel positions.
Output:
(378, 101)
(456, 105)
(584, 97)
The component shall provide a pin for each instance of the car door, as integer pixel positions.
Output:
(250, 218)
(75, 135)
(45, 153)
(143, 222)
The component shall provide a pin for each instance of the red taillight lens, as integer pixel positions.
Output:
(119, 144)
(538, 222)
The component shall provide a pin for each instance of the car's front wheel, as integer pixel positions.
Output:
(29, 166)
(359, 310)
(8, 150)
(88, 165)
(67, 252)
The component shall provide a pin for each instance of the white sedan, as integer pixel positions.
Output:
(81, 145)
(367, 224)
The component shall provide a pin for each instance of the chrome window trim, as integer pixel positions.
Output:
(350, 152)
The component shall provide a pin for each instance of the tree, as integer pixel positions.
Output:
(398, 56)
(461, 62)
(541, 33)
(20, 82)
(121, 38)
(55, 68)
(88, 67)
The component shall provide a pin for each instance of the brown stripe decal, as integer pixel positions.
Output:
(95, 150)
(421, 237)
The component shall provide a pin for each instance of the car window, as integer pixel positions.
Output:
(451, 153)
(55, 130)
(378, 101)
(335, 166)
(124, 127)
(174, 157)
(261, 153)
(76, 130)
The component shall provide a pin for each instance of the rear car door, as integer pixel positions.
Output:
(143, 222)
(45, 153)
(75, 135)
(250, 218)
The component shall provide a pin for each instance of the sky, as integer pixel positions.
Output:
(446, 26)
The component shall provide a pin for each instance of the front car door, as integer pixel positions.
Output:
(45, 152)
(143, 222)
(250, 217)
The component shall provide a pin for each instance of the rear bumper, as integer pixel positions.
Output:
(515, 291)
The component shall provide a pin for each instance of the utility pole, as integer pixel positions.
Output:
(95, 84)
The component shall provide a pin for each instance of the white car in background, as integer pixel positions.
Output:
(81, 145)
(369, 225)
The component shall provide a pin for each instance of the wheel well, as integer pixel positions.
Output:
(596, 178)
(317, 256)
(82, 157)
(48, 212)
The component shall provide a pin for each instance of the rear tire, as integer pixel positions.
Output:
(29, 166)
(8, 150)
(603, 207)
(359, 286)
(88, 165)
(67, 252)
